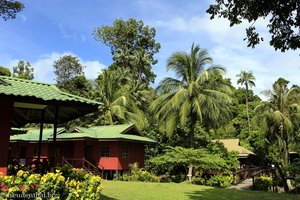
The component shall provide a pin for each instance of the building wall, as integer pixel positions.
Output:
(90, 149)
(25, 151)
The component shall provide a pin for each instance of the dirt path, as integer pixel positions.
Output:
(244, 185)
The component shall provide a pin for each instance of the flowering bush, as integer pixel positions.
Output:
(49, 186)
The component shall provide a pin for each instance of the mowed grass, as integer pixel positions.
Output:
(118, 190)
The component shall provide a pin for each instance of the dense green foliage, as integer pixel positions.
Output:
(132, 46)
(66, 69)
(190, 98)
(137, 174)
(284, 19)
(263, 183)
(121, 98)
(176, 160)
(220, 181)
(4, 71)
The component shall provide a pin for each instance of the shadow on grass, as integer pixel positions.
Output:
(233, 194)
(104, 197)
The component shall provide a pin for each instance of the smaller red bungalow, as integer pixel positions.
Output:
(109, 148)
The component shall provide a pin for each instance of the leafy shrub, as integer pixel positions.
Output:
(263, 183)
(220, 181)
(138, 174)
(214, 157)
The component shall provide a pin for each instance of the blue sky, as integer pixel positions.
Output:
(46, 30)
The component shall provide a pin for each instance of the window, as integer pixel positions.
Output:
(125, 152)
(104, 151)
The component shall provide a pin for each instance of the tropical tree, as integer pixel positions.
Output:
(132, 46)
(67, 68)
(247, 79)
(279, 118)
(185, 101)
(119, 104)
(23, 70)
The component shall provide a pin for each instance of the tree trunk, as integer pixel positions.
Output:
(111, 122)
(282, 176)
(247, 110)
(192, 142)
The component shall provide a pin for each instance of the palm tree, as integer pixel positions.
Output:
(186, 100)
(247, 79)
(279, 118)
(115, 93)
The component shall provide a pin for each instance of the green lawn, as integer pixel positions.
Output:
(117, 190)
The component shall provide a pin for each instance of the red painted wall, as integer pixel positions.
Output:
(17, 151)
(6, 112)
(91, 150)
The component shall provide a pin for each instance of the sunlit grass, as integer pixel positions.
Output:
(117, 190)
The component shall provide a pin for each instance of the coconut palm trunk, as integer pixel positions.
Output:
(247, 79)
(247, 110)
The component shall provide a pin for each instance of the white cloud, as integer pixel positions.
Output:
(92, 68)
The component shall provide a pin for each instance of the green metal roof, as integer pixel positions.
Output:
(33, 135)
(46, 92)
(31, 97)
(126, 132)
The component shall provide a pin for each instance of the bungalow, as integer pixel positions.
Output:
(23, 101)
(245, 156)
(105, 148)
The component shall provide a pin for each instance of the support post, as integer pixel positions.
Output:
(6, 107)
(54, 135)
(41, 136)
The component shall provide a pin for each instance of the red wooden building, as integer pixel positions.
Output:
(23, 101)
(108, 148)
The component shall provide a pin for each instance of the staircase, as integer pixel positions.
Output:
(84, 164)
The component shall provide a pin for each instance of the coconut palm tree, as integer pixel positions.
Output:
(115, 93)
(185, 100)
(247, 79)
(279, 118)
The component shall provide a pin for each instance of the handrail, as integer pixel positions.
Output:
(84, 163)
(244, 174)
